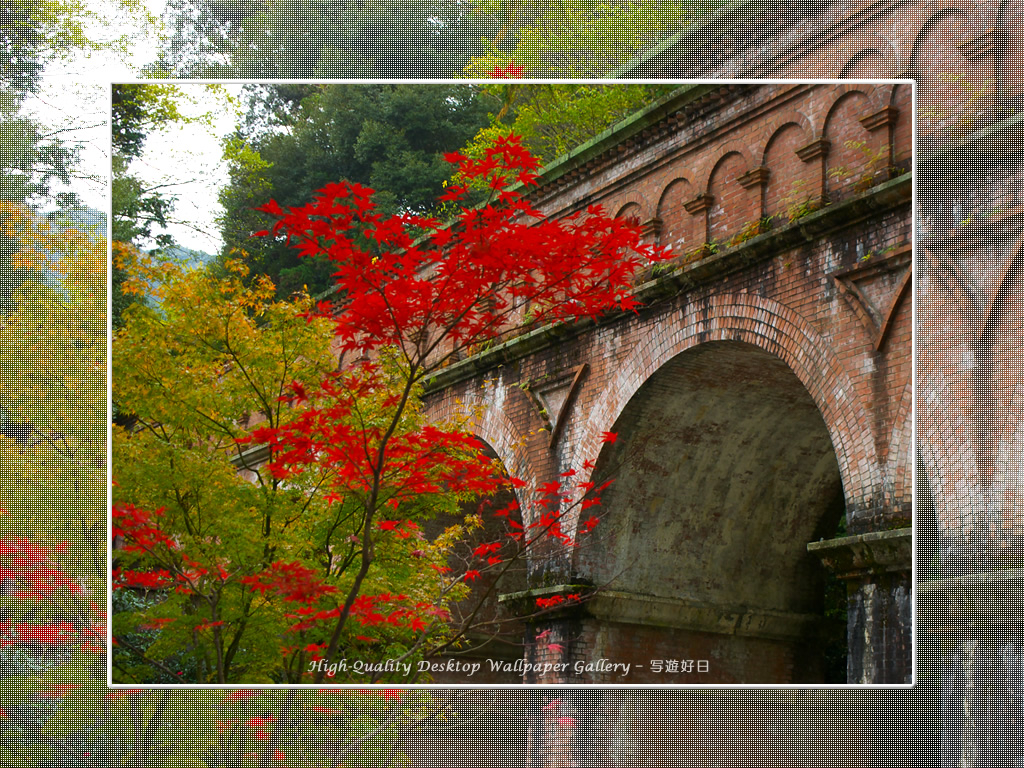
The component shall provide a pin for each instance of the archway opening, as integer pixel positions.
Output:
(483, 630)
(725, 471)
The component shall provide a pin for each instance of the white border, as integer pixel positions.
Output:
(551, 686)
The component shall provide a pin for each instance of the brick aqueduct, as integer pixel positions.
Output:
(762, 396)
(965, 709)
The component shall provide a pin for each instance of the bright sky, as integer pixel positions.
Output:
(187, 160)
(75, 101)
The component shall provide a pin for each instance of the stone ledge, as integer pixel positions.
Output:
(993, 138)
(868, 554)
(252, 458)
(527, 598)
(699, 616)
(993, 598)
(679, 613)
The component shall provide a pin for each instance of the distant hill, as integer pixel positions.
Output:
(188, 256)
(90, 218)
(83, 218)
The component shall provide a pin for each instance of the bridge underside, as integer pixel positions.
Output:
(724, 471)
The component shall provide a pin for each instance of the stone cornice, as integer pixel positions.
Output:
(698, 204)
(635, 132)
(884, 117)
(669, 117)
(983, 45)
(676, 612)
(993, 598)
(814, 150)
(999, 139)
(757, 20)
(756, 177)
(866, 555)
(252, 458)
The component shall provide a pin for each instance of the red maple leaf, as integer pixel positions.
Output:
(513, 71)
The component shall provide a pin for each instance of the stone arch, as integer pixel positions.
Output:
(488, 408)
(708, 164)
(902, 134)
(1010, 69)
(1012, 267)
(951, 87)
(776, 329)
(947, 322)
(875, 96)
(1006, 491)
(724, 472)
(870, 55)
(901, 451)
(959, 503)
(929, 541)
(880, 61)
(915, 17)
(945, 439)
(631, 209)
(780, 121)
(998, 349)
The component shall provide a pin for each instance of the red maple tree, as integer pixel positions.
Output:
(414, 294)
(433, 292)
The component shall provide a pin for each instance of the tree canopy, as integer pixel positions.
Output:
(574, 38)
(388, 137)
(214, 358)
(297, 38)
(553, 119)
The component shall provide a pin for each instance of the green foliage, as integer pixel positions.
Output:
(53, 339)
(298, 38)
(709, 248)
(52, 477)
(211, 353)
(33, 32)
(873, 168)
(798, 202)
(391, 39)
(555, 119)
(140, 211)
(391, 138)
(34, 159)
(138, 108)
(575, 38)
(212, 359)
(52, 405)
(751, 230)
(29, 160)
